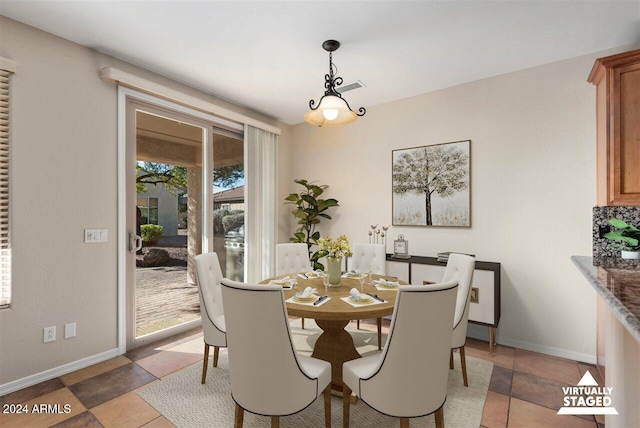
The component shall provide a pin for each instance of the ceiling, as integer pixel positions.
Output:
(267, 55)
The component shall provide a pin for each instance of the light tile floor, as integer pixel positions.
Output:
(525, 388)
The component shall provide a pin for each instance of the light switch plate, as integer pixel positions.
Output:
(93, 236)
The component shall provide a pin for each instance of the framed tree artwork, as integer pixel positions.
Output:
(432, 185)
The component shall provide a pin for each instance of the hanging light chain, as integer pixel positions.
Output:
(330, 82)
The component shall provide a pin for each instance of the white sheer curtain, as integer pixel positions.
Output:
(260, 203)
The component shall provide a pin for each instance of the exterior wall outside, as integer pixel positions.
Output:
(532, 184)
(229, 206)
(64, 126)
(167, 208)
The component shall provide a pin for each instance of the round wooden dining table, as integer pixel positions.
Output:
(335, 344)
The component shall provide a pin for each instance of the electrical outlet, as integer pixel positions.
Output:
(475, 295)
(49, 334)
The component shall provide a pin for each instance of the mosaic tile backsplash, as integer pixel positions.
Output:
(601, 215)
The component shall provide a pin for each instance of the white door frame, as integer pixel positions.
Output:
(123, 239)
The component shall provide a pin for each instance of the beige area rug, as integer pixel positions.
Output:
(184, 401)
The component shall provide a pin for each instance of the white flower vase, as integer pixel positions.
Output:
(334, 269)
(630, 254)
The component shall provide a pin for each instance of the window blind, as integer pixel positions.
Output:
(260, 203)
(5, 243)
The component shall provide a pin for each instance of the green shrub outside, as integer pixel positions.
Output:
(232, 221)
(218, 215)
(151, 233)
(225, 220)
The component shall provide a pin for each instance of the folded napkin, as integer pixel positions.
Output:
(356, 296)
(286, 281)
(313, 274)
(385, 283)
(307, 292)
(350, 274)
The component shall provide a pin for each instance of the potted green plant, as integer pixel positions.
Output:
(626, 237)
(310, 210)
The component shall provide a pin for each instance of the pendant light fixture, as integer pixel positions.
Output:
(332, 110)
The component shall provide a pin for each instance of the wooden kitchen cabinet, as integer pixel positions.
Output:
(617, 81)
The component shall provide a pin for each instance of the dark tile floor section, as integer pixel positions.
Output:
(538, 390)
(501, 380)
(107, 386)
(525, 387)
(32, 392)
(83, 420)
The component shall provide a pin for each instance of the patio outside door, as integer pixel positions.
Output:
(170, 216)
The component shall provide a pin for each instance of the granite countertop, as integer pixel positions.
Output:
(617, 263)
(619, 288)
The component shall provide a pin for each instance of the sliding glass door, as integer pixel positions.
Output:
(229, 202)
(184, 196)
(189, 182)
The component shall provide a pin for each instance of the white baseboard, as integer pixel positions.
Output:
(482, 333)
(549, 350)
(34, 379)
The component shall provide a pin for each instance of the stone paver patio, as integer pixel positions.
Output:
(164, 298)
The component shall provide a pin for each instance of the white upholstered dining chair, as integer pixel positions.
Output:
(267, 376)
(370, 258)
(208, 276)
(460, 267)
(292, 258)
(409, 378)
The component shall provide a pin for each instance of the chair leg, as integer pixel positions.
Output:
(379, 333)
(327, 406)
(440, 417)
(239, 416)
(451, 359)
(205, 363)
(216, 351)
(275, 421)
(358, 324)
(404, 422)
(346, 405)
(302, 323)
(463, 362)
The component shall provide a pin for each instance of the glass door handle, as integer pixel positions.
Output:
(135, 242)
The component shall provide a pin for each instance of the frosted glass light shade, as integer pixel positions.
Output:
(330, 113)
(331, 106)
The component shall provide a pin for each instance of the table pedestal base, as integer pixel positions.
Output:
(335, 345)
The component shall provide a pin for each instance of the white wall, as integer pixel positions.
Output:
(533, 187)
(63, 180)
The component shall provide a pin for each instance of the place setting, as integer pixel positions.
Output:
(351, 274)
(312, 274)
(309, 297)
(286, 282)
(357, 298)
(385, 285)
